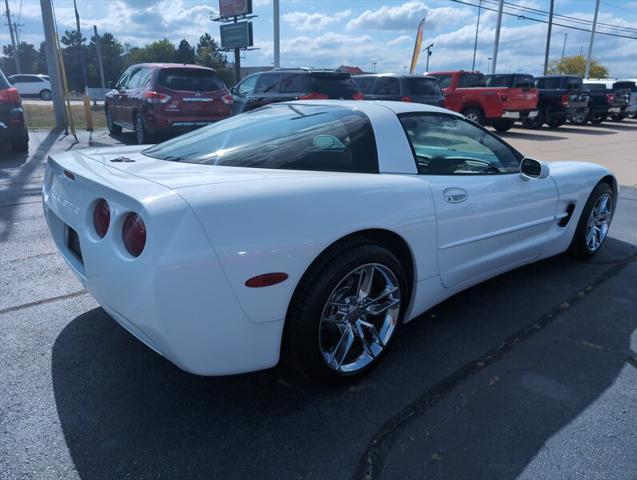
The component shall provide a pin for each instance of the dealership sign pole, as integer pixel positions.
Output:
(417, 45)
(235, 35)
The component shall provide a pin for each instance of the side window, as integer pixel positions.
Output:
(366, 84)
(246, 87)
(292, 83)
(470, 80)
(145, 77)
(387, 86)
(523, 81)
(135, 77)
(449, 145)
(123, 80)
(269, 83)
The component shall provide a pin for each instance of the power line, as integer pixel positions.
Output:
(545, 21)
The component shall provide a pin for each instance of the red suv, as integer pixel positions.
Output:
(162, 98)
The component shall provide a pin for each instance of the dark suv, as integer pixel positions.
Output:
(162, 98)
(12, 126)
(281, 85)
(403, 88)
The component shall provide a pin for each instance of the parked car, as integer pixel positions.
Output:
(156, 99)
(32, 85)
(632, 107)
(467, 93)
(600, 104)
(12, 125)
(622, 90)
(310, 230)
(285, 84)
(403, 88)
(561, 96)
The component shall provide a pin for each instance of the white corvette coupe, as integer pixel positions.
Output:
(310, 230)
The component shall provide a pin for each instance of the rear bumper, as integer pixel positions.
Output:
(175, 296)
(161, 124)
(12, 125)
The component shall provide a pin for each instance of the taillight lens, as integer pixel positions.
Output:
(611, 97)
(101, 217)
(227, 99)
(406, 99)
(314, 96)
(358, 96)
(10, 95)
(565, 100)
(134, 234)
(156, 97)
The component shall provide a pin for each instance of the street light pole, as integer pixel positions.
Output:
(564, 46)
(590, 45)
(99, 56)
(475, 43)
(548, 38)
(428, 48)
(13, 42)
(277, 43)
(497, 37)
(52, 63)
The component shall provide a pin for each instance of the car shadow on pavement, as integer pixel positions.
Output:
(128, 413)
(584, 130)
(528, 135)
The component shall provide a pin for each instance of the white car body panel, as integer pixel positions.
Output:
(34, 87)
(210, 228)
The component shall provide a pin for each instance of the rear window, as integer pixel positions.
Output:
(366, 84)
(574, 83)
(596, 86)
(334, 86)
(625, 86)
(423, 86)
(547, 83)
(281, 136)
(472, 80)
(4, 83)
(190, 79)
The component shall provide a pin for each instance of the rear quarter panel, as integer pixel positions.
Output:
(283, 225)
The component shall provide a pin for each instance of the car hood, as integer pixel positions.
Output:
(180, 175)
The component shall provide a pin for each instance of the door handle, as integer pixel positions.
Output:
(454, 195)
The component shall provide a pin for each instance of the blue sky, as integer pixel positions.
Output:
(328, 33)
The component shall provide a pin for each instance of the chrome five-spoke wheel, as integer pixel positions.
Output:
(599, 222)
(359, 318)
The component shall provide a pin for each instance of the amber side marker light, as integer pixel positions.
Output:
(266, 279)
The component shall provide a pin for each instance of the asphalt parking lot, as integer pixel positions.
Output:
(532, 375)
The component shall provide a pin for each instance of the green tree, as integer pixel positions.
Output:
(28, 56)
(185, 53)
(576, 65)
(208, 54)
(112, 59)
(158, 51)
(40, 64)
(73, 43)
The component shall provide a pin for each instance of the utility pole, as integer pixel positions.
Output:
(16, 57)
(548, 38)
(99, 56)
(428, 48)
(52, 63)
(497, 37)
(277, 48)
(80, 48)
(475, 43)
(564, 46)
(590, 45)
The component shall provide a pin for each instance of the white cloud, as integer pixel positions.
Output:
(400, 40)
(313, 21)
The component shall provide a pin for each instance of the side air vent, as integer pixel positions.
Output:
(569, 213)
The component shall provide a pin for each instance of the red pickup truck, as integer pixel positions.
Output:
(500, 107)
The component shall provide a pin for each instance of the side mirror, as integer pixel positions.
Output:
(110, 84)
(233, 90)
(533, 169)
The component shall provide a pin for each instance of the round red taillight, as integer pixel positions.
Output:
(101, 217)
(134, 234)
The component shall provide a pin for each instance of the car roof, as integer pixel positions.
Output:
(366, 106)
(397, 75)
(172, 65)
(40, 75)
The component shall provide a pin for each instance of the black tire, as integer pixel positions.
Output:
(142, 135)
(536, 122)
(555, 123)
(475, 115)
(579, 118)
(597, 119)
(578, 247)
(617, 117)
(45, 94)
(21, 144)
(301, 350)
(113, 128)
(503, 124)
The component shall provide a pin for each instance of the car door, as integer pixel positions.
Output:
(115, 96)
(126, 97)
(243, 93)
(489, 218)
(267, 90)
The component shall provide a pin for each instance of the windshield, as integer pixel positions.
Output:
(334, 85)
(443, 80)
(190, 79)
(281, 136)
(4, 83)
